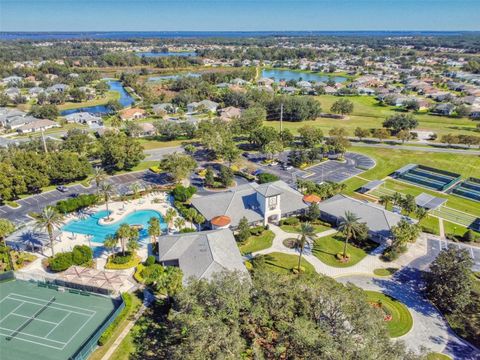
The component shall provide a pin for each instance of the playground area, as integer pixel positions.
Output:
(42, 321)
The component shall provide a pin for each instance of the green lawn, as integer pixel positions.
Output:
(284, 263)
(401, 321)
(438, 356)
(389, 160)
(367, 113)
(317, 228)
(110, 95)
(257, 243)
(456, 230)
(326, 248)
(385, 272)
(430, 224)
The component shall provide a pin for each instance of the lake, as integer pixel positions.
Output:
(125, 100)
(166, 54)
(173, 77)
(278, 75)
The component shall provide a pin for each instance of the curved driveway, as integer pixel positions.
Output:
(429, 330)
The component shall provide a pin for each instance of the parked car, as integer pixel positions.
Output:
(62, 188)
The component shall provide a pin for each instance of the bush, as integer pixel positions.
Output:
(61, 262)
(186, 230)
(293, 221)
(77, 203)
(81, 254)
(469, 236)
(150, 260)
(257, 230)
(182, 193)
(107, 334)
(266, 178)
(119, 258)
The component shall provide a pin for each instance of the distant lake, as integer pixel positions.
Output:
(166, 54)
(287, 75)
(173, 77)
(115, 85)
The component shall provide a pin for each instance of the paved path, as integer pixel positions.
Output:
(430, 329)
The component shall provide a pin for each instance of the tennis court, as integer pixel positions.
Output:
(428, 177)
(470, 189)
(41, 322)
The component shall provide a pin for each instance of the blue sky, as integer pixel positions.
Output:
(239, 15)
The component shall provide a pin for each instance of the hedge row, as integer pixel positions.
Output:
(107, 334)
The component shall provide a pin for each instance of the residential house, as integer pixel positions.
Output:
(230, 113)
(259, 204)
(204, 105)
(200, 255)
(84, 118)
(165, 108)
(147, 129)
(443, 109)
(37, 125)
(132, 114)
(57, 88)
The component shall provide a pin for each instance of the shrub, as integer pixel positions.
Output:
(266, 178)
(81, 254)
(290, 221)
(61, 262)
(186, 230)
(469, 236)
(150, 260)
(182, 193)
(257, 230)
(107, 334)
(77, 203)
(119, 258)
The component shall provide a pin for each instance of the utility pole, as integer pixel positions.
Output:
(44, 142)
(281, 117)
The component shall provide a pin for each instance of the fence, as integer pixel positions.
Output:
(7, 276)
(91, 344)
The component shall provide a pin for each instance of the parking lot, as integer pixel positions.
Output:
(37, 203)
(330, 170)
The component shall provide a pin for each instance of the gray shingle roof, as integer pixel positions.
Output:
(201, 254)
(376, 217)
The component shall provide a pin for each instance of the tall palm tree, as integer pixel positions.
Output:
(350, 227)
(107, 192)
(123, 234)
(154, 229)
(48, 220)
(110, 243)
(179, 223)
(135, 189)
(169, 216)
(98, 176)
(306, 232)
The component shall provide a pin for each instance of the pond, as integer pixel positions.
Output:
(166, 54)
(172, 77)
(91, 226)
(278, 75)
(125, 100)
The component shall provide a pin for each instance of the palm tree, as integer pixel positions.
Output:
(48, 220)
(98, 176)
(154, 229)
(420, 212)
(385, 200)
(110, 243)
(169, 216)
(396, 198)
(190, 215)
(350, 227)
(107, 191)
(306, 232)
(179, 223)
(123, 234)
(135, 189)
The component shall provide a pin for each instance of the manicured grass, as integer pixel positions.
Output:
(389, 160)
(135, 260)
(367, 113)
(257, 243)
(385, 272)
(101, 350)
(401, 321)
(326, 248)
(296, 228)
(110, 95)
(430, 224)
(284, 263)
(149, 144)
(438, 356)
(456, 230)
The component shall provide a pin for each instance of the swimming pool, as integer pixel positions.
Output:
(90, 225)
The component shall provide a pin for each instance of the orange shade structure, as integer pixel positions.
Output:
(311, 198)
(221, 221)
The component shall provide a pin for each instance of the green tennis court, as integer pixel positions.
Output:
(38, 322)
